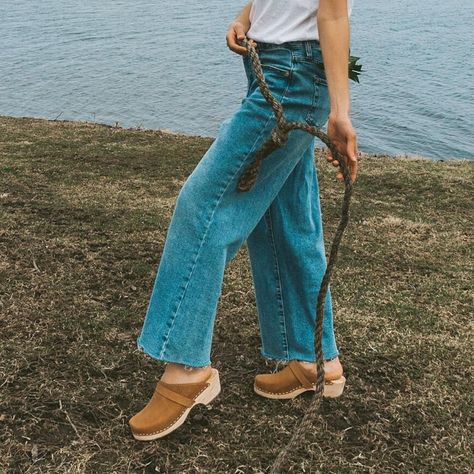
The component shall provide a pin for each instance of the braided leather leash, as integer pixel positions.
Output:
(278, 138)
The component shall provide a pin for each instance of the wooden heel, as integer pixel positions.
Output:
(334, 388)
(212, 391)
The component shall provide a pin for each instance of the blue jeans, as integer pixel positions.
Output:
(279, 219)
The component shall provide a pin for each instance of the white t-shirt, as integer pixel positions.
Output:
(278, 21)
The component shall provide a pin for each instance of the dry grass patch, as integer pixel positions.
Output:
(84, 213)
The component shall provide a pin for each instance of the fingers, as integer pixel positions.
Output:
(335, 163)
(350, 158)
(236, 33)
(341, 132)
(331, 160)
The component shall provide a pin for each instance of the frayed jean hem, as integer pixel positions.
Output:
(188, 364)
(280, 359)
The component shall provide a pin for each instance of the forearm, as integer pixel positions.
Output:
(334, 37)
(243, 16)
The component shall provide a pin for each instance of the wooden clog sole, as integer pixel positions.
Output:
(332, 389)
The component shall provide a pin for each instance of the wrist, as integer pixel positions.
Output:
(339, 115)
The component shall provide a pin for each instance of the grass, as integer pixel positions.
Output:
(84, 213)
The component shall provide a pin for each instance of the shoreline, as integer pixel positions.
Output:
(189, 136)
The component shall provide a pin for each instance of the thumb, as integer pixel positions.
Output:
(239, 31)
(351, 149)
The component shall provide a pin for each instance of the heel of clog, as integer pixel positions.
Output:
(334, 388)
(212, 391)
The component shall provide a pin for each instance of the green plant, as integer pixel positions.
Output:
(354, 68)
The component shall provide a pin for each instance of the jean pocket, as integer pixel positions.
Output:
(277, 68)
(277, 61)
(312, 65)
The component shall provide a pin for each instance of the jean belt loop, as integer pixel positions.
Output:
(308, 48)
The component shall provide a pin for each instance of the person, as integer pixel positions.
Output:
(279, 218)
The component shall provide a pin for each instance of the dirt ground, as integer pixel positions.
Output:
(84, 210)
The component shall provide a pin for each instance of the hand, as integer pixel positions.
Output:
(235, 33)
(344, 137)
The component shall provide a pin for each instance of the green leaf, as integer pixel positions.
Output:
(354, 69)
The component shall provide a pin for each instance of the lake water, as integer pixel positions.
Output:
(166, 65)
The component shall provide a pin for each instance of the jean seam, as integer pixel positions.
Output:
(280, 286)
(315, 101)
(208, 226)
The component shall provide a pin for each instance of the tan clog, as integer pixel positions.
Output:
(294, 379)
(170, 406)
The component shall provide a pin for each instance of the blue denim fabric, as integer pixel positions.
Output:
(279, 219)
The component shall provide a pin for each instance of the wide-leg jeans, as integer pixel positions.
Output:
(279, 219)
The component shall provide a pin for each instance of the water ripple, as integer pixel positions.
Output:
(166, 65)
